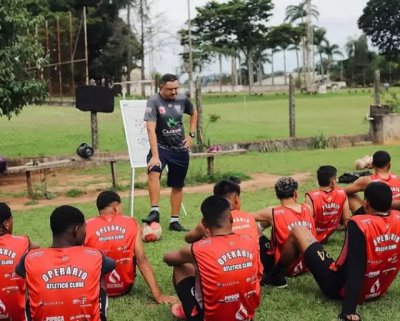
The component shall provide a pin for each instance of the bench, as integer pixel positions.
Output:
(74, 162)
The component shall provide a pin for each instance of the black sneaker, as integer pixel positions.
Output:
(154, 216)
(177, 227)
(277, 281)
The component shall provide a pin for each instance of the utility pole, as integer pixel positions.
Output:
(191, 91)
(142, 76)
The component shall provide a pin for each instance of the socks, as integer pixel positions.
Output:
(174, 219)
(155, 208)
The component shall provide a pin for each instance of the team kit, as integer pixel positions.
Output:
(228, 257)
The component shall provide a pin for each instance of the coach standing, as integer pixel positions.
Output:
(168, 146)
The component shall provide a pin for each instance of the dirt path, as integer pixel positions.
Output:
(65, 182)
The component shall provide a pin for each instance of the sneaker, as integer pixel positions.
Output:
(177, 311)
(154, 216)
(277, 281)
(177, 227)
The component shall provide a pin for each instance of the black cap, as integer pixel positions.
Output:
(5, 212)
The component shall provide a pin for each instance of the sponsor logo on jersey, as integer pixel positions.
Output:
(114, 280)
(161, 109)
(55, 318)
(230, 298)
(242, 313)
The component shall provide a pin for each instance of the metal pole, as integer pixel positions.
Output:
(190, 53)
(292, 113)
(129, 54)
(48, 55)
(142, 76)
(59, 56)
(86, 49)
(71, 54)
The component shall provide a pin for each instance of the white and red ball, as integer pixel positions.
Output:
(151, 232)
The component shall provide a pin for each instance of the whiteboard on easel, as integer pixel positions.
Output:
(135, 131)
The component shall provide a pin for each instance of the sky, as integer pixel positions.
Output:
(339, 17)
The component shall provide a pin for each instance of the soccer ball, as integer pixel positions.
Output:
(151, 232)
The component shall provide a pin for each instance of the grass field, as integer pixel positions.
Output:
(44, 130)
(301, 301)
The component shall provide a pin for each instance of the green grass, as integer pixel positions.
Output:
(44, 130)
(301, 301)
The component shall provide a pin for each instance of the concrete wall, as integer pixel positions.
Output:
(385, 129)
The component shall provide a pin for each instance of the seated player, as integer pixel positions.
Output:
(329, 203)
(120, 238)
(63, 281)
(368, 263)
(12, 247)
(381, 164)
(217, 278)
(243, 223)
(283, 218)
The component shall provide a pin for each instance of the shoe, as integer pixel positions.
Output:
(154, 216)
(177, 227)
(277, 281)
(177, 311)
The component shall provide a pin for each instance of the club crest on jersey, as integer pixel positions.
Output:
(161, 109)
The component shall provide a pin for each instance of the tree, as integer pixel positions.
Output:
(283, 36)
(330, 51)
(236, 24)
(20, 57)
(319, 41)
(295, 13)
(380, 21)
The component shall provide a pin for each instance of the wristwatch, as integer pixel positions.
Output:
(191, 134)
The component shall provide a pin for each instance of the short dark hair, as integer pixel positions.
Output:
(285, 187)
(380, 159)
(64, 217)
(106, 198)
(5, 212)
(215, 210)
(379, 196)
(225, 187)
(325, 174)
(167, 78)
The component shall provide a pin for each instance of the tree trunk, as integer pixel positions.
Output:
(199, 107)
(220, 72)
(272, 70)
(260, 72)
(284, 65)
(234, 72)
(251, 74)
(322, 67)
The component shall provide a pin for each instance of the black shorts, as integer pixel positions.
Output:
(318, 261)
(177, 162)
(361, 210)
(267, 260)
(185, 291)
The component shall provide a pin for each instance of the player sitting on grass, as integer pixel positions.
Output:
(381, 165)
(329, 203)
(12, 247)
(283, 218)
(120, 238)
(243, 223)
(225, 267)
(64, 280)
(368, 263)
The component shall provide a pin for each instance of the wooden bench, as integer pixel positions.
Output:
(74, 162)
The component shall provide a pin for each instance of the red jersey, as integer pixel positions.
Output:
(115, 236)
(328, 209)
(244, 223)
(64, 283)
(392, 180)
(382, 243)
(284, 220)
(228, 279)
(12, 289)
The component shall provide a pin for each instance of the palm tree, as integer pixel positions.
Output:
(295, 13)
(330, 51)
(260, 57)
(319, 41)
